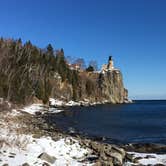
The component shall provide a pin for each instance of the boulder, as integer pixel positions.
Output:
(45, 164)
(129, 157)
(104, 163)
(96, 146)
(86, 142)
(117, 158)
(38, 113)
(119, 150)
(136, 160)
(25, 164)
(44, 156)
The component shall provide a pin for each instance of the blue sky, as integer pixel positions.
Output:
(133, 31)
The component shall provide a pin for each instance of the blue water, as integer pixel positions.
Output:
(142, 121)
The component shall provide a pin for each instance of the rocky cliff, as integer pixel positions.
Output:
(112, 88)
(93, 87)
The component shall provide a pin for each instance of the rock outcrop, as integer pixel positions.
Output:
(93, 87)
(109, 155)
(47, 158)
(111, 86)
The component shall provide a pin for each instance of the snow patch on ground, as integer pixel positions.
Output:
(67, 151)
(33, 108)
(147, 159)
(17, 149)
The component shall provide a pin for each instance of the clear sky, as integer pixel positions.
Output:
(133, 31)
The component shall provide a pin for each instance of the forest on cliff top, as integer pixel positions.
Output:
(26, 71)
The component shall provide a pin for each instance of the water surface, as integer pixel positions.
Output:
(142, 121)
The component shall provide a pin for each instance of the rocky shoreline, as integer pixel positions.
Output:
(108, 154)
(122, 154)
(102, 153)
(94, 152)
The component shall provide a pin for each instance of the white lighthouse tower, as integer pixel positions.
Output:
(110, 63)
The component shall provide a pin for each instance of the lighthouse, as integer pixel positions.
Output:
(110, 63)
(109, 66)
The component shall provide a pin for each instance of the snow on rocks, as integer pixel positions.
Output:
(66, 151)
(34, 108)
(17, 148)
(56, 102)
(60, 103)
(72, 103)
(128, 101)
(54, 110)
(146, 159)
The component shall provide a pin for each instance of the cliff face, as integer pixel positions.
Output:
(94, 87)
(112, 88)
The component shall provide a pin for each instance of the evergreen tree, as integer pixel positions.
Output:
(90, 69)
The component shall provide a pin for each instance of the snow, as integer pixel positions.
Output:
(85, 102)
(59, 103)
(56, 102)
(54, 110)
(148, 158)
(72, 103)
(32, 109)
(67, 151)
(17, 149)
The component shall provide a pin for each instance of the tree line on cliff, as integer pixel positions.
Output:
(26, 71)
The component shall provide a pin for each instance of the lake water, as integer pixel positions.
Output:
(140, 122)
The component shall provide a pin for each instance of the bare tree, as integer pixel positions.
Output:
(81, 63)
(69, 59)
